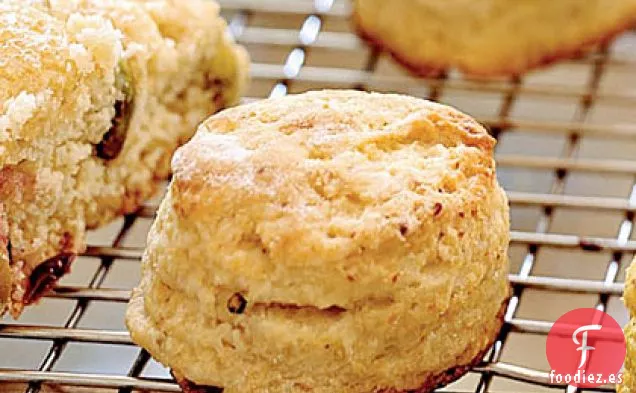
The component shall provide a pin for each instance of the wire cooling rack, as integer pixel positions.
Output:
(566, 156)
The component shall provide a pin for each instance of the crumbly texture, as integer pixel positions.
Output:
(489, 37)
(333, 241)
(430, 384)
(70, 72)
(629, 383)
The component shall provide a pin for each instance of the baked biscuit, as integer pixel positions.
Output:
(489, 37)
(629, 384)
(334, 241)
(94, 98)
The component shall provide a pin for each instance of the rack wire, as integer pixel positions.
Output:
(565, 155)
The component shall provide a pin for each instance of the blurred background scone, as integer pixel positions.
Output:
(94, 98)
(489, 37)
(629, 384)
(333, 241)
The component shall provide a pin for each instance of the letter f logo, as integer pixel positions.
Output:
(584, 348)
(597, 347)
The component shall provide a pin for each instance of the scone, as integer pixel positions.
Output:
(95, 96)
(629, 383)
(333, 241)
(489, 37)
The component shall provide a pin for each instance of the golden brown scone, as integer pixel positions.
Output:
(629, 384)
(95, 96)
(489, 37)
(334, 241)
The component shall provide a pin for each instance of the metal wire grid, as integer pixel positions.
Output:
(275, 78)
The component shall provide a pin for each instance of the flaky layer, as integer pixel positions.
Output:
(489, 37)
(71, 70)
(337, 240)
(385, 344)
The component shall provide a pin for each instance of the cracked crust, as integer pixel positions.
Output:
(429, 69)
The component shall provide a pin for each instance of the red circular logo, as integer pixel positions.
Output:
(585, 348)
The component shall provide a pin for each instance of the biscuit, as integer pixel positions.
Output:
(489, 37)
(629, 384)
(95, 96)
(333, 241)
